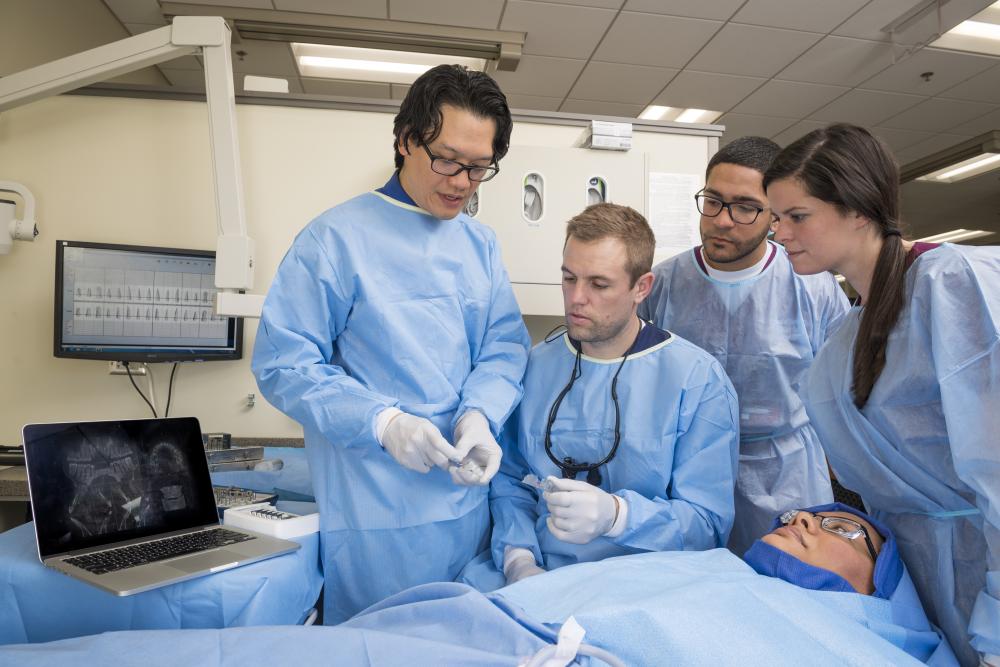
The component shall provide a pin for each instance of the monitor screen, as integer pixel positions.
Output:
(133, 303)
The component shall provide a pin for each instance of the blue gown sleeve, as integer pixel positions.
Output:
(513, 505)
(965, 334)
(696, 511)
(493, 387)
(305, 311)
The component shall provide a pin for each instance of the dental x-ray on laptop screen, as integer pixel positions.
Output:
(128, 505)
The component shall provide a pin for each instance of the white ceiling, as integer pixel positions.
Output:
(776, 68)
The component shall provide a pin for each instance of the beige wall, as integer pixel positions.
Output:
(139, 172)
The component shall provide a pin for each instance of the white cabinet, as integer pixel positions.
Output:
(535, 194)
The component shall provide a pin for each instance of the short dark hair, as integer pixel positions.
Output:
(601, 221)
(419, 117)
(756, 153)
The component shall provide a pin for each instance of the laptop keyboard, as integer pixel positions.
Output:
(113, 560)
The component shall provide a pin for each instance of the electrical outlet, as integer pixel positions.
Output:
(118, 368)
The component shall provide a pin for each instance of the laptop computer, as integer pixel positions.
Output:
(128, 505)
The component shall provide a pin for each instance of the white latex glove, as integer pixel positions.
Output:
(477, 450)
(521, 567)
(578, 511)
(417, 444)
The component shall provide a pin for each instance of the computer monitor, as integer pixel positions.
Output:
(135, 303)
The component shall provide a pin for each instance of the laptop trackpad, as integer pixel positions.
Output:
(206, 562)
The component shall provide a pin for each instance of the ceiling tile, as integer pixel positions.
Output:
(606, 4)
(534, 102)
(797, 131)
(612, 82)
(717, 9)
(364, 8)
(865, 107)
(704, 90)
(313, 86)
(788, 99)
(839, 60)
(250, 4)
(545, 26)
(868, 23)
(185, 62)
(741, 125)
(815, 15)
(139, 28)
(264, 58)
(540, 75)
(752, 50)
(987, 123)
(899, 139)
(467, 13)
(136, 11)
(598, 108)
(927, 146)
(651, 39)
(184, 78)
(937, 115)
(983, 87)
(949, 70)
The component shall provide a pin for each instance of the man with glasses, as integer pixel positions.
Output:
(737, 297)
(392, 335)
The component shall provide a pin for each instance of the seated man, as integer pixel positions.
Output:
(648, 421)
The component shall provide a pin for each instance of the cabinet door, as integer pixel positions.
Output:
(539, 189)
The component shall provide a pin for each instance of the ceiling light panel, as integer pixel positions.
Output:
(357, 64)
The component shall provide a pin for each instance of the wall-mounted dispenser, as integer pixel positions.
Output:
(472, 206)
(533, 198)
(597, 190)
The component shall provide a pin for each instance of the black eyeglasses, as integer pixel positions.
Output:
(446, 167)
(846, 528)
(741, 213)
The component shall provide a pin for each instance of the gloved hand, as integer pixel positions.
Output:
(417, 444)
(477, 449)
(578, 511)
(521, 567)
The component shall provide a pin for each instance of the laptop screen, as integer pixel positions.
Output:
(94, 483)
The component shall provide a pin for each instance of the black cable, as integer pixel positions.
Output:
(132, 380)
(170, 390)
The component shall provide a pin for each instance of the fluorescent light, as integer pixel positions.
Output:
(969, 158)
(955, 235)
(964, 169)
(364, 65)
(380, 65)
(698, 116)
(655, 112)
(977, 29)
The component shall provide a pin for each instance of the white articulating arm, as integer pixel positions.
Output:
(209, 37)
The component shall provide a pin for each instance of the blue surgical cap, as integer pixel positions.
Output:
(773, 562)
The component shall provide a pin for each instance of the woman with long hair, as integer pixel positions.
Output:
(905, 395)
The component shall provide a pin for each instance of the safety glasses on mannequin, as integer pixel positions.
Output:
(846, 528)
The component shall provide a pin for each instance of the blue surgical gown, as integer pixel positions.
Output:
(765, 331)
(675, 465)
(924, 452)
(379, 304)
